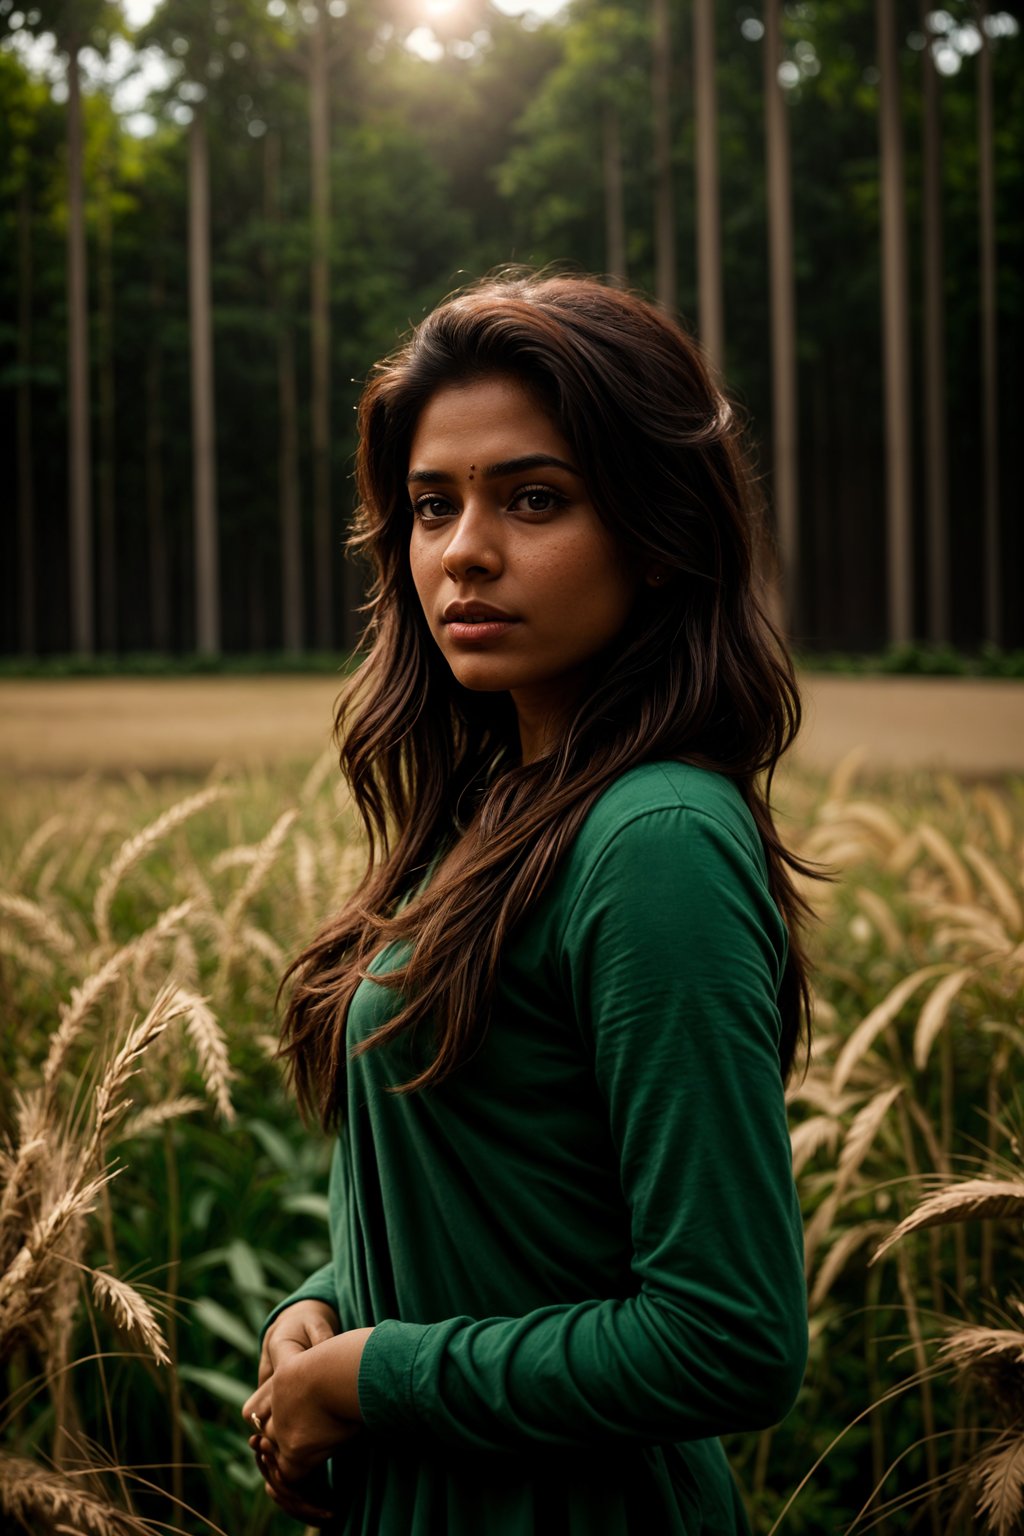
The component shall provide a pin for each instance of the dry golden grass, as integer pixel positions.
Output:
(154, 954)
(922, 976)
(41, 1500)
(140, 947)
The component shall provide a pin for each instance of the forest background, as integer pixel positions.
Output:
(285, 188)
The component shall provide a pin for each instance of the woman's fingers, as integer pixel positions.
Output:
(289, 1495)
(256, 1409)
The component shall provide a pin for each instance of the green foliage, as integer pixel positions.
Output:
(920, 661)
(905, 660)
(196, 664)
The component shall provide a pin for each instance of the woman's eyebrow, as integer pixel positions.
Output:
(495, 471)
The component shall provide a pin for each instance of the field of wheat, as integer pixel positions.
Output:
(158, 1194)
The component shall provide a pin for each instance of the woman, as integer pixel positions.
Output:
(552, 1027)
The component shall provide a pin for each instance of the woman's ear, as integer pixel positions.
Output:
(656, 575)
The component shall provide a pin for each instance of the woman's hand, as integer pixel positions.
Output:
(308, 1404)
(308, 1501)
(297, 1328)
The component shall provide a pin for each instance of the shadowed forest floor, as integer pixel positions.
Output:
(186, 725)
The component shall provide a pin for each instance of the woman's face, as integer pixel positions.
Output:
(521, 583)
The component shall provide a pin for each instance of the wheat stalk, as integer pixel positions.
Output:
(156, 1115)
(864, 1127)
(967, 1347)
(130, 1311)
(881, 915)
(904, 854)
(185, 963)
(935, 1013)
(844, 773)
(973, 1200)
(242, 857)
(40, 924)
(868, 1030)
(837, 845)
(305, 876)
(865, 813)
(973, 918)
(85, 997)
(23, 1175)
(350, 871)
(317, 776)
(998, 817)
(258, 942)
(95, 830)
(75, 1012)
(135, 848)
(820, 1225)
(34, 844)
(835, 1261)
(26, 955)
(211, 1050)
(997, 886)
(809, 1137)
(819, 1094)
(20, 1280)
(38, 1498)
(948, 860)
(1000, 1479)
(170, 1003)
(266, 853)
(144, 945)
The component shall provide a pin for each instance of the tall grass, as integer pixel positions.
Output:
(157, 1193)
(907, 1143)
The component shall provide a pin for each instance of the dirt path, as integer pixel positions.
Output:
(972, 727)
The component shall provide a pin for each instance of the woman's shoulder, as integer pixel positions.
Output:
(666, 843)
(670, 794)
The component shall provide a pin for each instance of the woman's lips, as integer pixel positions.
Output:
(477, 631)
(460, 610)
(473, 622)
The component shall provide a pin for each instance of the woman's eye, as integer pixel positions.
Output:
(431, 507)
(537, 498)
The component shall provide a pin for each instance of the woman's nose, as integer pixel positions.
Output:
(474, 548)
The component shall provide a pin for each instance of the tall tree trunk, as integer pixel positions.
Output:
(936, 478)
(989, 351)
(710, 315)
(895, 331)
(203, 424)
(159, 597)
(664, 202)
(257, 604)
(79, 458)
(614, 202)
(292, 616)
(785, 448)
(26, 476)
(293, 608)
(108, 450)
(320, 328)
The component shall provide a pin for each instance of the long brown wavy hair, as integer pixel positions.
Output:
(699, 675)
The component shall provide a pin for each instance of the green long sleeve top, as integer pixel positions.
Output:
(581, 1255)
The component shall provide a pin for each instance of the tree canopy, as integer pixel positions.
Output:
(462, 137)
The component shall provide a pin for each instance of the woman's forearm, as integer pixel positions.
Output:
(333, 1373)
